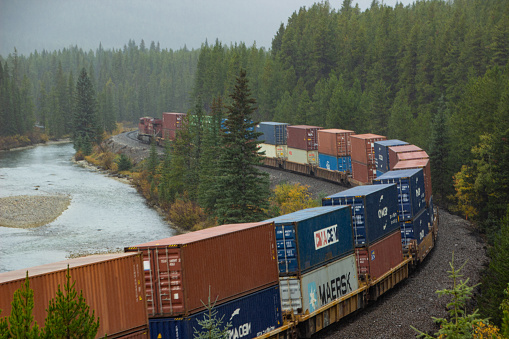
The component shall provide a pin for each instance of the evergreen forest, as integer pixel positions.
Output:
(434, 73)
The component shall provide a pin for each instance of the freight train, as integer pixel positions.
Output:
(284, 277)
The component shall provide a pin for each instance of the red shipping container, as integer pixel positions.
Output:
(363, 148)
(419, 163)
(230, 260)
(112, 285)
(335, 142)
(395, 150)
(302, 137)
(173, 121)
(363, 172)
(412, 156)
(379, 258)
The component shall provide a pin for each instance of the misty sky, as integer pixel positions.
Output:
(56, 24)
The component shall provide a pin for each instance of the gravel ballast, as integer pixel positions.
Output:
(26, 211)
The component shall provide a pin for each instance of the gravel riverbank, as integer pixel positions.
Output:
(28, 211)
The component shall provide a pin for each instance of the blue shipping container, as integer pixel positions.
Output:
(274, 133)
(374, 211)
(415, 229)
(382, 153)
(250, 316)
(309, 238)
(332, 163)
(411, 196)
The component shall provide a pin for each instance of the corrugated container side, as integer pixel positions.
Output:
(274, 151)
(420, 163)
(111, 284)
(309, 238)
(395, 150)
(363, 172)
(274, 133)
(315, 289)
(301, 156)
(363, 147)
(334, 142)
(382, 153)
(374, 211)
(411, 192)
(416, 228)
(412, 156)
(179, 270)
(332, 163)
(173, 121)
(303, 137)
(250, 316)
(380, 257)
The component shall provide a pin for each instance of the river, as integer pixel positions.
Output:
(104, 215)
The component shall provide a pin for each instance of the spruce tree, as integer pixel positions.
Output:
(211, 324)
(21, 318)
(242, 189)
(86, 129)
(69, 315)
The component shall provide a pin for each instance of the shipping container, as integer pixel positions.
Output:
(111, 284)
(301, 156)
(233, 260)
(411, 192)
(251, 316)
(303, 137)
(416, 228)
(374, 211)
(364, 173)
(363, 147)
(173, 121)
(334, 142)
(274, 151)
(274, 133)
(420, 163)
(306, 293)
(395, 150)
(376, 259)
(382, 153)
(411, 156)
(309, 238)
(332, 163)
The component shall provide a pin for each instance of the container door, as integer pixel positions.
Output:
(286, 249)
(291, 296)
(169, 285)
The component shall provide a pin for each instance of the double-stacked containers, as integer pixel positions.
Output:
(376, 229)
(316, 257)
(273, 139)
(395, 153)
(172, 122)
(112, 285)
(334, 148)
(302, 141)
(226, 262)
(414, 218)
(426, 167)
(382, 154)
(363, 156)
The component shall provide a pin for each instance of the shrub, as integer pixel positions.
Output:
(186, 214)
(124, 163)
(79, 156)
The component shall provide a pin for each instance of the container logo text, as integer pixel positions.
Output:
(326, 237)
(334, 289)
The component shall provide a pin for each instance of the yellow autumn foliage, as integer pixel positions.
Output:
(288, 198)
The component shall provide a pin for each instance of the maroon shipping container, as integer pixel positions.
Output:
(419, 163)
(172, 121)
(303, 137)
(169, 134)
(363, 172)
(363, 148)
(395, 150)
(231, 260)
(112, 285)
(412, 156)
(379, 258)
(335, 142)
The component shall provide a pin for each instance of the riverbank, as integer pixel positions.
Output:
(49, 142)
(27, 211)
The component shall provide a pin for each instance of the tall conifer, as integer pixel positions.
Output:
(86, 128)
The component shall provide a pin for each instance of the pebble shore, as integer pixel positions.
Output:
(27, 211)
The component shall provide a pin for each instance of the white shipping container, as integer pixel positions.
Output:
(274, 151)
(302, 156)
(319, 287)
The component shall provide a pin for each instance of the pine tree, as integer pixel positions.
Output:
(86, 129)
(69, 315)
(211, 325)
(21, 318)
(242, 189)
